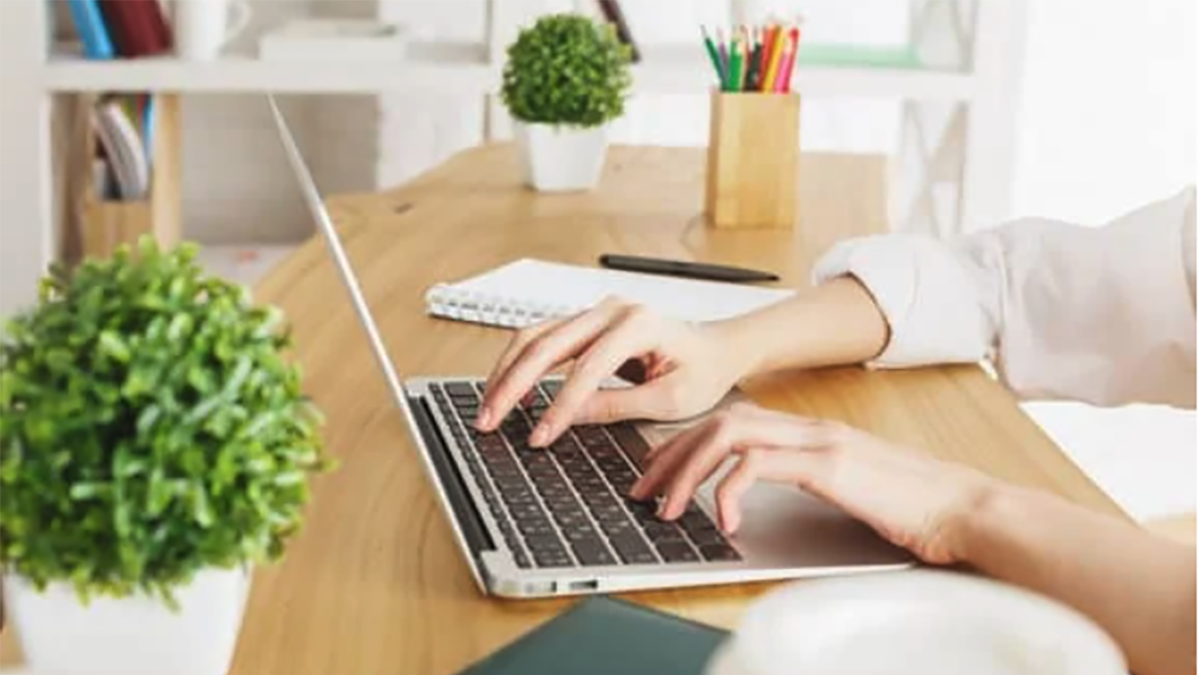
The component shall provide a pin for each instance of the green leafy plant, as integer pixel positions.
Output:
(150, 427)
(566, 69)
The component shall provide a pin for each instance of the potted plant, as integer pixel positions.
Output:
(154, 445)
(565, 79)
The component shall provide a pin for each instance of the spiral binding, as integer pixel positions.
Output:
(461, 305)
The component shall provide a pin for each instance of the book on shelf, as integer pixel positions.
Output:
(90, 27)
(111, 29)
(139, 27)
(123, 125)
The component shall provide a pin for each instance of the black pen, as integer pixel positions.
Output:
(679, 268)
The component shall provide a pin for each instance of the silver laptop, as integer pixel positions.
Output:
(536, 523)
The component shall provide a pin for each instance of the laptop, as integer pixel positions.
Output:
(538, 523)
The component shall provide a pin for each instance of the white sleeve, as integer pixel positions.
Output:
(1104, 315)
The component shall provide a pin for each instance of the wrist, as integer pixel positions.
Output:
(736, 347)
(989, 506)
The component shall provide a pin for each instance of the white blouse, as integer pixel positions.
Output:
(1103, 315)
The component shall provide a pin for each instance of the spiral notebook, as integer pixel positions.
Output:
(530, 291)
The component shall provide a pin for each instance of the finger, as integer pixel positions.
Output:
(655, 400)
(520, 339)
(661, 461)
(731, 488)
(707, 456)
(540, 355)
(486, 421)
(626, 338)
(799, 467)
(740, 428)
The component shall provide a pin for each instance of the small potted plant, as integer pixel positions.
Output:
(565, 80)
(154, 446)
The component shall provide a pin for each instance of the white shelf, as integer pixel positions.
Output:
(432, 65)
(464, 67)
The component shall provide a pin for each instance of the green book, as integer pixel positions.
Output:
(606, 636)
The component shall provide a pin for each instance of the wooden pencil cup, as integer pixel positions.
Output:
(753, 160)
(106, 224)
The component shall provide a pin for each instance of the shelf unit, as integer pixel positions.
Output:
(465, 67)
(958, 130)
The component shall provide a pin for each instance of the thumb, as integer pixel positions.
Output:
(655, 400)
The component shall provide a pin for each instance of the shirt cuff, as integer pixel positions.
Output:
(926, 291)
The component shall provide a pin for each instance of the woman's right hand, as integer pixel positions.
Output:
(678, 369)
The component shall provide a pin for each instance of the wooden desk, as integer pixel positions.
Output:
(374, 583)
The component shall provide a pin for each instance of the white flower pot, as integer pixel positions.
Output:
(130, 636)
(561, 158)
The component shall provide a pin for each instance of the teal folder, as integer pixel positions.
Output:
(605, 635)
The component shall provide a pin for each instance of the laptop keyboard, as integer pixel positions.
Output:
(566, 506)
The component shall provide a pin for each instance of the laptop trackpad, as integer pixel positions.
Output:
(783, 525)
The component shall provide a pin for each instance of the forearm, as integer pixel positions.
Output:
(832, 324)
(1138, 587)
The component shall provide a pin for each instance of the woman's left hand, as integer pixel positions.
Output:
(912, 500)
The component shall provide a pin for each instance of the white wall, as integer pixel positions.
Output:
(1109, 106)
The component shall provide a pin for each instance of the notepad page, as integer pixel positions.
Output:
(574, 288)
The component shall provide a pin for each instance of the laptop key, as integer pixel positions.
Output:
(696, 522)
(580, 533)
(506, 474)
(616, 526)
(553, 559)
(611, 514)
(662, 533)
(593, 552)
(458, 389)
(719, 553)
(536, 528)
(543, 542)
(630, 441)
(643, 511)
(561, 502)
(570, 519)
(526, 511)
(554, 491)
(677, 551)
(632, 549)
(519, 498)
(706, 537)
(544, 470)
(521, 559)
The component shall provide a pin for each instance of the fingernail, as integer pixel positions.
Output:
(484, 419)
(662, 508)
(540, 437)
(635, 492)
(730, 523)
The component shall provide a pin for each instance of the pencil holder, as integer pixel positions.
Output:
(753, 160)
(105, 224)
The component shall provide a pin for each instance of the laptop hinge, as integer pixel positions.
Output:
(473, 528)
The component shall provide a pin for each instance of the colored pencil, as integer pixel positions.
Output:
(715, 57)
(790, 67)
(776, 56)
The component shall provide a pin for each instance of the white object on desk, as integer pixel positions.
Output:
(136, 635)
(530, 291)
(325, 40)
(203, 27)
(929, 621)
